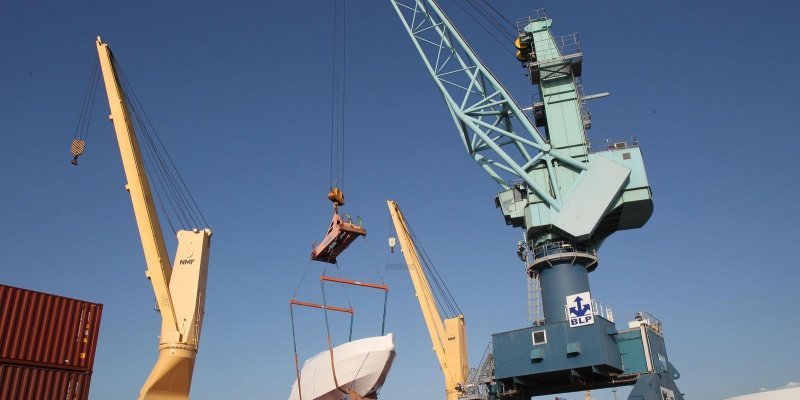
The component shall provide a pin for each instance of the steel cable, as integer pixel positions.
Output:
(168, 182)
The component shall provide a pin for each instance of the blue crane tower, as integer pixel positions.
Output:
(567, 196)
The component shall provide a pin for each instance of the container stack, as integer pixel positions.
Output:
(47, 345)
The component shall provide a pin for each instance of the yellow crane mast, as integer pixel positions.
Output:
(448, 335)
(179, 287)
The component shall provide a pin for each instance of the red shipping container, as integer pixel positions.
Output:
(35, 383)
(47, 331)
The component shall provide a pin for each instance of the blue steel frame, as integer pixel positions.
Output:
(482, 109)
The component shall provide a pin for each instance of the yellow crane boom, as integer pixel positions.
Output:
(179, 287)
(448, 335)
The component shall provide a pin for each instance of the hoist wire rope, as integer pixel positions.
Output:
(157, 182)
(96, 81)
(492, 20)
(495, 23)
(80, 122)
(190, 218)
(294, 332)
(374, 260)
(82, 115)
(481, 15)
(469, 49)
(160, 164)
(442, 294)
(338, 94)
(87, 105)
(296, 358)
(434, 289)
(158, 153)
(493, 35)
(498, 13)
(302, 278)
(344, 82)
(334, 87)
(346, 293)
(383, 282)
(328, 331)
(162, 185)
(154, 163)
(350, 388)
(155, 174)
(178, 185)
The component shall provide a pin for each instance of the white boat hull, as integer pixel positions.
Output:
(361, 366)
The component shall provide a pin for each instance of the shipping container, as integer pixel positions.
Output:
(47, 331)
(19, 382)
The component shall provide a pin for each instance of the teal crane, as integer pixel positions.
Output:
(567, 197)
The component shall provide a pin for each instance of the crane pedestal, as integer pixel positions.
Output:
(577, 346)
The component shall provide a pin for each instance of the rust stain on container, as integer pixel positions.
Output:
(47, 344)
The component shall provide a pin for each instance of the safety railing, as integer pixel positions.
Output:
(555, 248)
(534, 15)
(568, 44)
(475, 387)
(602, 310)
(613, 143)
(586, 116)
(649, 320)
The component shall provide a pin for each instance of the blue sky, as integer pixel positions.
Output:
(240, 95)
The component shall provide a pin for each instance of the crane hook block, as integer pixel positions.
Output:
(336, 196)
(77, 147)
(340, 234)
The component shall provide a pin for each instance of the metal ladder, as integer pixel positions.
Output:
(535, 312)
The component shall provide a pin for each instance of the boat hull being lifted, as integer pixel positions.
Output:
(361, 367)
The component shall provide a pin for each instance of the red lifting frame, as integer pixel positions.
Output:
(354, 283)
(340, 234)
(383, 287)
(320, 306)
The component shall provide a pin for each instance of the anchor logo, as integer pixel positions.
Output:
(579, 310)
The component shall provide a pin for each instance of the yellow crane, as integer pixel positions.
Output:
(448, 335)
(179, 287)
